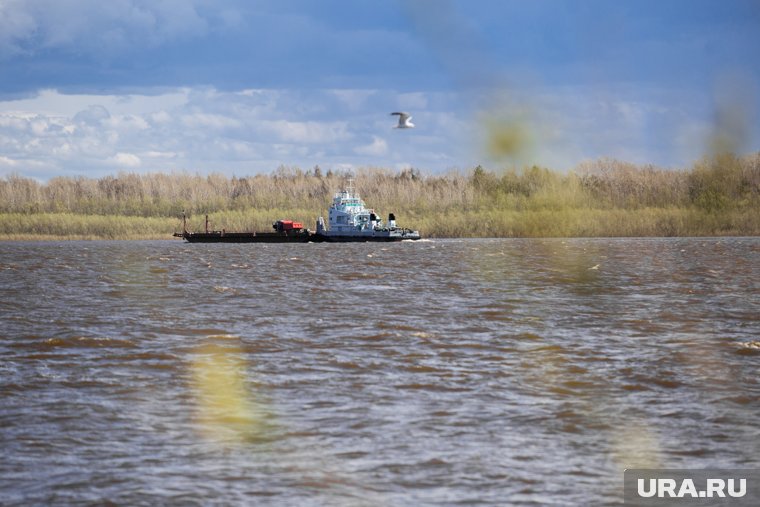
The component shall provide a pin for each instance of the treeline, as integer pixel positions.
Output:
(717, 196)
(150, 195)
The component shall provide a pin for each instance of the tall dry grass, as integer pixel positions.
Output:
(717, 196)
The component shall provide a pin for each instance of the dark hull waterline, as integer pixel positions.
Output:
(268, 237)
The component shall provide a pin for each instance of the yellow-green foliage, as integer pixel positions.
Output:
(76, 226)
(718, 196)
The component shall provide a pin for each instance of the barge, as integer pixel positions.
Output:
(349, 220)
(285, 231)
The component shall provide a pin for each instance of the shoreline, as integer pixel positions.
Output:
(30, 238)
(474, 223)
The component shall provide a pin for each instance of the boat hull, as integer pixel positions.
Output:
(363, 238)
(244, 237)
(273, 237)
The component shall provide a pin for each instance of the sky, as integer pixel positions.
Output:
(239, 87)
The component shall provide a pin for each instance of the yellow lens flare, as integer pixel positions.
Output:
(508, 138)
(226, 407)
(512, 135)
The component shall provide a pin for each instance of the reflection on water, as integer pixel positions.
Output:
(485, 371)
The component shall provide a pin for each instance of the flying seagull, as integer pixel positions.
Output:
(404, 121)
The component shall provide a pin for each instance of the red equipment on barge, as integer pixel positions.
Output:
(286, 231)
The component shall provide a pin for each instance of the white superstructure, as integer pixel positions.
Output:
(348, 217)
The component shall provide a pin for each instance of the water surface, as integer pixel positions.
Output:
(526, 372)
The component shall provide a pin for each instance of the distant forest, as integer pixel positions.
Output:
(718, 196)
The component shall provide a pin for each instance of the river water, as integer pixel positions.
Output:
(443, 372)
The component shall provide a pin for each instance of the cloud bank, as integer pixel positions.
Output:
(251, 131)
(93, 87)
(246, 131)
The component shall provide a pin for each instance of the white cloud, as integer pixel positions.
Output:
(378, 147)
(127, 122)
(9, 162)
(160, 154)
(188, 129)
(309, 131)
(49, 102)
(354, 99)
(93, 115)
(208, 120)
(208, 128)
(129, 160)
(413, 101)
(251, 131)
(159, 117)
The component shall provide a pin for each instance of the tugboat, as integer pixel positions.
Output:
(350, 220)
(348, 217)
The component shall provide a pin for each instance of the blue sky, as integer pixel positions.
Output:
(93, 88)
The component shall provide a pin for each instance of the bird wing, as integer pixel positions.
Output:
(402, 118)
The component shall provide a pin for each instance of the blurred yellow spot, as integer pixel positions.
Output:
(226, 408)
(507, 138)
(636, 446)
(734, 104)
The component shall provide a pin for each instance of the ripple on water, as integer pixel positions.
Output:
(71, 342)
(164, 372)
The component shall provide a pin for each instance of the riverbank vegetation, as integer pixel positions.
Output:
(718, 196)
